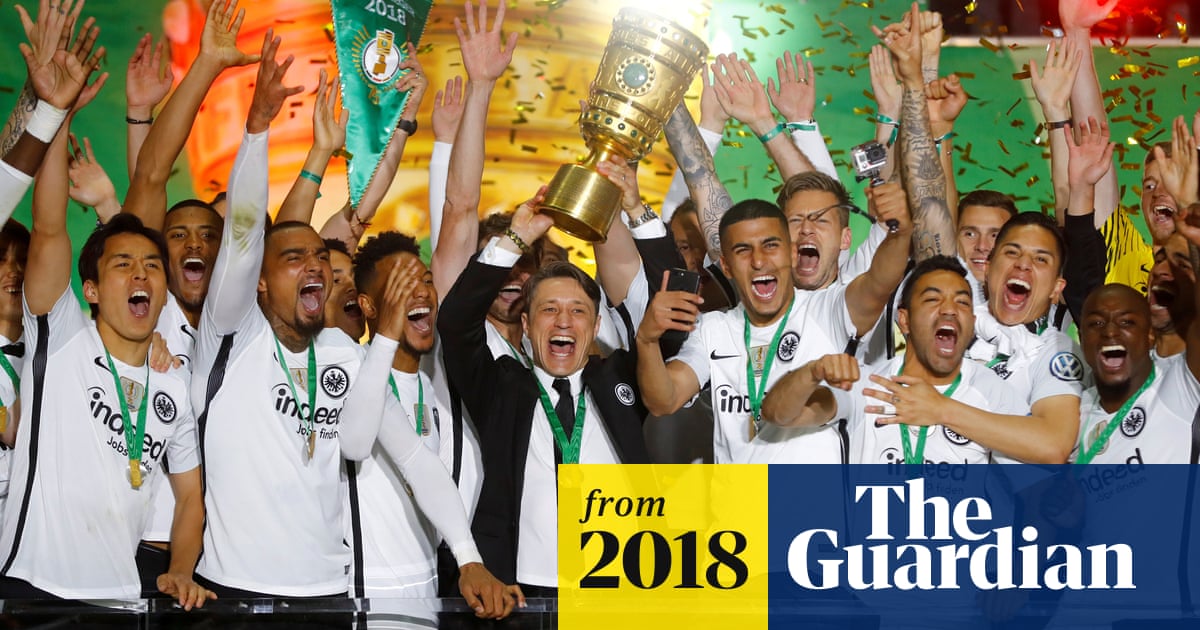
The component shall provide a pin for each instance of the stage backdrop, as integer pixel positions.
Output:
(532, 125)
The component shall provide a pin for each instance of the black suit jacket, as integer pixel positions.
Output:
(501, 395)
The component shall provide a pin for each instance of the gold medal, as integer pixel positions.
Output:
(3, 419)
(135, 473)
(312, 443)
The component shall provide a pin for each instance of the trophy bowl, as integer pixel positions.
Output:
(645, 70)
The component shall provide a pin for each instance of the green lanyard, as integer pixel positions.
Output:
(1119, 417)
(919, 456)
(759, 390)
(420, 412)
(569, 448)
(520, 356)
(312, 390)
(16, 383)
(134, 436)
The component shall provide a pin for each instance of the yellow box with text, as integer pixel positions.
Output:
(654, 546)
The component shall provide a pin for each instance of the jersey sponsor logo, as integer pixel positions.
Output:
(788, 344)
(730, 401)
(1134, 422)
(713, 356)
(624, 394)
(164, 407)
(1065, 366)
(335, 381)
(954, 437)
(289, 407)
(111, 419)
(890, 455)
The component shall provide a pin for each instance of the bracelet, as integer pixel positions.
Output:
(312, 177)
(803, 125)
(43, 124)
(360, 222)
(516, 240)
(1058, 124)
(884, 119)
(938, 141)
(135, 121)
(646, 217)
(766, 137)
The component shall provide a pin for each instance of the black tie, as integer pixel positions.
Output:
(565, 409)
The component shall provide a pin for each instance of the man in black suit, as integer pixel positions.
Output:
(570, 408)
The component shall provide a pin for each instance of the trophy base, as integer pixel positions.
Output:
(582, 202)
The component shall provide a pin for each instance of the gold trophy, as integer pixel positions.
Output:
(646, 68)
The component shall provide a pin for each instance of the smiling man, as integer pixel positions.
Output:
(1171, 275)
(981, 215)
(341, 307)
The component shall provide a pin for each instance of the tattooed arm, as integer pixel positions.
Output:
(696, 164)
(15, 125)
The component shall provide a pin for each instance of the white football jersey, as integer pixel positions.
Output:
(870, 444)
(399, 543)
(8, 394)
(1158, 427)
(73, 521)
(274, 516)
(716, 351)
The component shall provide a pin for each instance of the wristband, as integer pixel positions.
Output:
(311, 176)
(45, 121)
(512, 236)
(938, 141)
(1058, 124)
(135, 121)
(766, 137)
(884, 119)
(803, 125)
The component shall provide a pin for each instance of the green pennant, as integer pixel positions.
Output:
(370, 37)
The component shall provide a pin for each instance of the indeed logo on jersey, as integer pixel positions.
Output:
(729, 400)
(333, 381)
(162, 407)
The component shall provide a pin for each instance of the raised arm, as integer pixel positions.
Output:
(1052, 84)
(234, 286)
(1089, 161)
(796, 100)
(617, 259)
(147, 197)
(329, 134)
(696, 164)
(147, 81)
(887, 92)
(924, 180)
(869, 293)
(447, 111)
(743, 96)
(485, 54)
(665, 387)
(1077, 19)
(712, 129)
(802, 398)
(90, 185)
(946, 98)
(1181, 175)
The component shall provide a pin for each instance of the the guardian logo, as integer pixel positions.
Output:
(985, 565)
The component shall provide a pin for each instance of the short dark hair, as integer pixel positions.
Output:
(814, 180)
(14, 234)
(218, 198)
(687, 207)
(1036, 219)
(93, 248)
(494, 225)
(749, 210)
(273, 228)
(1164, 145)
(376, 249)
(193, 203)
(989, 198)
(926, 267)
(562, 269)
(337, 245)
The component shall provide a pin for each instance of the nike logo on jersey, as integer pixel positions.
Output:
(717, 357)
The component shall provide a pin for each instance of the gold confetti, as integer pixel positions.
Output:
(988, 45)
(971, 6)
(1189, 61)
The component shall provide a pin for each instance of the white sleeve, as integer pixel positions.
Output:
(828, 307)
(860, 261)
(812, 144)
(694, 352)
(434, 491)
(678, 191)
(439, 173)
(233, 289)
(13, 184)
(64, 320)
(497, 256)
(183, 451)
(365, 402)
(1057, 371)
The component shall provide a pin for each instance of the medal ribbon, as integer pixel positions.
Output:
(758, 392)
(420, 401)
(1086, 456)
(569, 448)
(520, 356)
(919, 456)
(312, 382)
(134, 435)
(16, 383)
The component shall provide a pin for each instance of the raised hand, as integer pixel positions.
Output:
(1052, 83)
(1083, 14)
(1091, 158)
(669, 310)
(147, 80)
(415, 81)
(741, 94)
(329, 125)
(931, 43)
(84, 50)
(485, 54)
(89, 184)
(883, 82)
(55, 73)
(447, 111)
(1179, 171)
(527, 223)
(50, 33)
(624, 176)
(402, 280)
(218, 41)
(836, 370)
(946, 98)
(797, 94)
(904, 42)
(888, 202)
(269, 90)
(712, 116)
